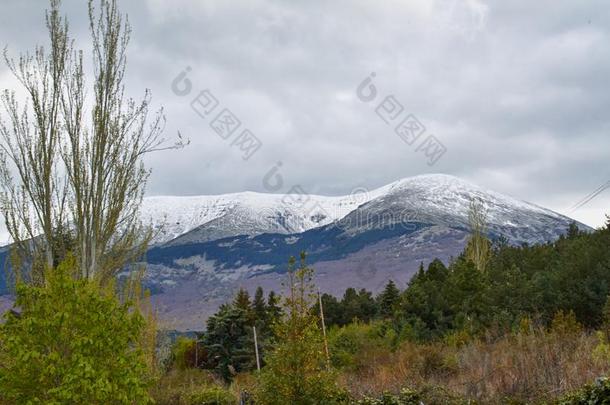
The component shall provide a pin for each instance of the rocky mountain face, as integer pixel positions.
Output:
(206, 247)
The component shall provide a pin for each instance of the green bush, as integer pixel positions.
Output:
(426, 395)
(594, 394)
(211, 396)
(406, 397)
(72, 343)
(350, 343)
(183, 353)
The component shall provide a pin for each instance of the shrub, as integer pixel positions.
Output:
(72, 343)
(597, 393)
(565, 324)
(428, 395)
(185, 354)
(351, 345)
(214, 395)
(406, 397)
(176, 386)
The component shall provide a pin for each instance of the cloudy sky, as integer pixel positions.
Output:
(518, 93)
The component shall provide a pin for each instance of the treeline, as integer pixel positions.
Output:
(571, 274)
(517, 284)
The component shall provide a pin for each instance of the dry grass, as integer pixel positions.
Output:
(175, 386)
(524, 367)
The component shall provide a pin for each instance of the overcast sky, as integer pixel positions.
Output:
(518, 92)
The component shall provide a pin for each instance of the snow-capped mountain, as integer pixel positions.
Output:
(436, 199)
(445, 200)
(247, 213)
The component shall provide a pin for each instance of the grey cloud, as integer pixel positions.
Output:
(517, 91)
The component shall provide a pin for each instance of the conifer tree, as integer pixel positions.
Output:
(258, 305)
(274, 309)
(229, 342)
(242, 299)
(573, 230)
(389, 299)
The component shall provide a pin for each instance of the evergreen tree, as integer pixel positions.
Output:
(333, 310)
(466, 292)
(389, 300)
(367, 305)
(242, 302)
(573, 230)
(229, 342)
(424, 301)
(274, 309)
(259, 306)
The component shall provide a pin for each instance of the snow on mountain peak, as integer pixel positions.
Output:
(436, 198)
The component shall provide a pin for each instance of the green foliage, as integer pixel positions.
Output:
(259, 307)
(431, 395)
(296, 370)
(478, 248)
(213, 395)
(565, 323)
(242, 301)
(274, 309)
(185, 354)
(595, 394)
(405, 397)
(571, 275)
(350, 345)
(229, 341)
(360, 306)
(72, 343)
(229, 337)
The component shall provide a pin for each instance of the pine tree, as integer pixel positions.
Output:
(229, 342)
(259, 306)
(389, 299)
(242, 300)
(274, 310)
(573, 230)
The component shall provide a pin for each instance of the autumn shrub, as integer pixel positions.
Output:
(526, 367)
